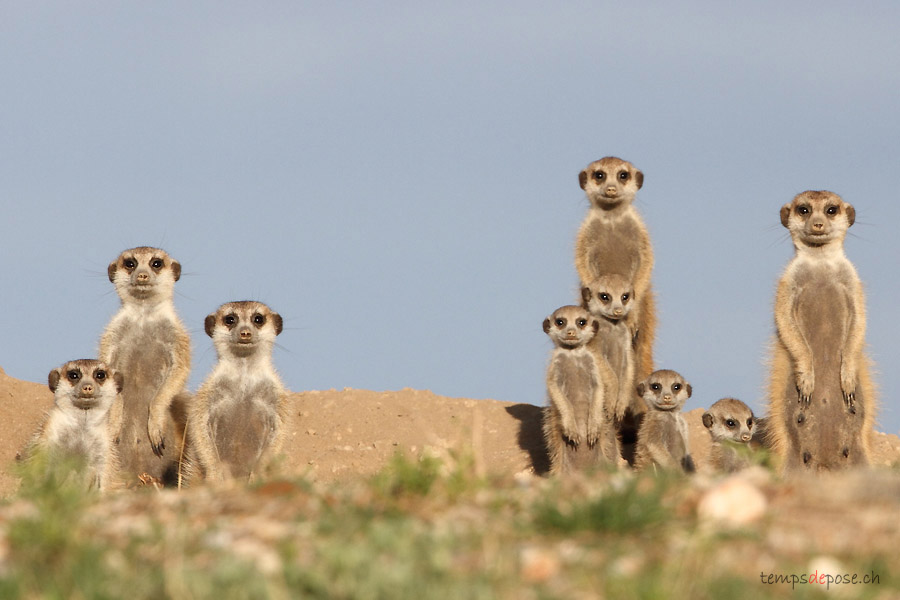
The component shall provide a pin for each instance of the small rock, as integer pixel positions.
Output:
(735, 502)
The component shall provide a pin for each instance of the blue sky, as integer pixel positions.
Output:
(400, 182)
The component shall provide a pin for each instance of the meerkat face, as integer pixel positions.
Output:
(664, 390)
(817, 218)
(610, 182)
(144, 274)
(729, 419)
(241, 328)
(570, 327)
(609, 296)
(85, 384)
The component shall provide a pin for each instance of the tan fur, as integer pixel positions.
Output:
(730, 423)
(149, 345)
(663, 438)
(77, 426)
(577, 425)
(237, 419)
(821, 397)
(614, 240)
(610, 299)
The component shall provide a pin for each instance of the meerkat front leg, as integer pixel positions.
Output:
(792, 338)
(854, 346)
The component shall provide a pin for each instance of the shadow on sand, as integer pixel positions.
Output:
(531, 435)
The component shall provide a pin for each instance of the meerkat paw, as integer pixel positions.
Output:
(848, 383)
(593, 433)
(806, 383)
(157, 438)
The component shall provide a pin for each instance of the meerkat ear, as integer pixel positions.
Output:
(639, 179)
(547, 325)
(582, 179)
(640, 389)
(176, 269)
(687, 388)
(53, 379)
(785, 214)
(707, 420)
(851, 214)
(120, 381)
(209, 324)
(596, 325)
(279, 323)
(111, 271)
(585, 296)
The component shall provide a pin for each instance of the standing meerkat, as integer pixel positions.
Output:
(78, 425)
(609, 299)
(577, 425)
(237, 418)
(821, 398)
(148, 344)
(663, 438)
(730, 423)
(613, 240)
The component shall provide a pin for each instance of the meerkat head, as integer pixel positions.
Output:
(144, 274)
(608, 296)
(817, 218)
(571, 327)
(664, 390)
(240, 329)
(610, 182)
(729, 419)
(85, 384)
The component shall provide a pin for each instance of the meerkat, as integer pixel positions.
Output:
(609, 299)
(577, 425)
(237, 418)
(730, 423)
(613, 240)
(149, 345)
(663, 439)
(78, 425)
(821, 397)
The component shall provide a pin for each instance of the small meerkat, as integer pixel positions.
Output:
(614, 240)
(237, 418)
(577, 426)
(663, 438)
(149, 345)
(821, 397)
(78, 425)
(730, 423)
(609, 298)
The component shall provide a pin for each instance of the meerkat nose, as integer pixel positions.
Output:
(143, 276)
(87, 389)
(745, 437)
(245, 334)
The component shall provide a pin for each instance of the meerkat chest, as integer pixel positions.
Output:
(577, 378)
(143, 344)
(668, 429)
(614, 342)
(823, 299)
(78, 434)
(614, 245)
(231, 398)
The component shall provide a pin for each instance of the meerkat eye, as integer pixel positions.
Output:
(560, 322)
(676, 387)
(100, 375)
(599, 175)
(582, 322)
(750, 423)
(655, 387)
(129, 263)
(229, 320)
(73, 375)
(604, 297)
(156, 263)
(803, 210)
(831, 210)
(731, 423)
(623, 175)
(259, 319)
(625, 298)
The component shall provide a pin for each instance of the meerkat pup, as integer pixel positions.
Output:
(730, 423)
(613, 240)
(237, 418)
(148, 344)
(609, 299)
(821, 398)
(663, 439)
(577, 425)
(78, 425)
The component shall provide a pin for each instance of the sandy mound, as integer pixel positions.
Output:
(340, 434)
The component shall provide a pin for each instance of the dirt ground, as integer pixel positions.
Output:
(339, 434)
